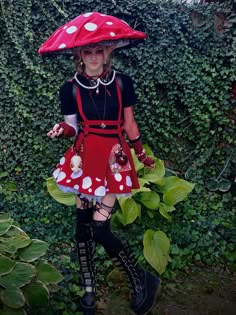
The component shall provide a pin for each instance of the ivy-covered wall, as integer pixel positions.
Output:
(183, 76)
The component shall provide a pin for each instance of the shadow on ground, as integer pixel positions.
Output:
(202, 292)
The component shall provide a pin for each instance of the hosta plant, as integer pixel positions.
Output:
(159, 191)
(26, 279)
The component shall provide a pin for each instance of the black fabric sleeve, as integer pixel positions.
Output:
(68, 103)
(128, 94)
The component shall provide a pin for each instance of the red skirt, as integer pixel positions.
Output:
(98, 173)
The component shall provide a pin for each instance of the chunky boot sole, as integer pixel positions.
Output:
(87, 304)
(152, 284)
(87, 310)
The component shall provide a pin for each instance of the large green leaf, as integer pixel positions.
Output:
(48, 273)
(53, 287)
(6, 247)
(4, 216)
(163, 208)
(33, 251)
(130, 210)
(224, 185)
(5, 225)
(136, 191)
(150, 199)
(36, 294)
(158, 171)
(156, 249)
(16, 230)
(13, 297)
(175, 195)
(21, 274)
(60, 196)
(6, 265)
(10, 311)
(212, 184)
(174, 181)
(138, 165)
(148, 150)
(17, 238)
(153, 178)
(19, 241)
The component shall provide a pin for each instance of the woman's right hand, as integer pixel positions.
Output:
(56, 131)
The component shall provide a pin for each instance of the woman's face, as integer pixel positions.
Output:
(93, 59)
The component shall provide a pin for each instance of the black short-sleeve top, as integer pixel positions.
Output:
(97, 104)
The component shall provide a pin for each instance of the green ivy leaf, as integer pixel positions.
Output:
(212, 184)
(11, 186)
(150, 214)
(224, 185)
(3, 174)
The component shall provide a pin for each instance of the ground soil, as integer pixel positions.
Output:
(200, 292)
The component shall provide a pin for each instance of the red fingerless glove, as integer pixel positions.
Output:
(68, 131)
(141, 153)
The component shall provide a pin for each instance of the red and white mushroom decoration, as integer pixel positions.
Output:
(90, 28)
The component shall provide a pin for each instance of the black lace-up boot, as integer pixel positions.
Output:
(86, 249)
(143, 284)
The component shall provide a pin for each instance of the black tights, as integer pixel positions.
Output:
(100, 231)
(84, 218)
(103, 235)
(89, 232)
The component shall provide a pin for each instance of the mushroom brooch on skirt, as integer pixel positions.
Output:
(90, 28)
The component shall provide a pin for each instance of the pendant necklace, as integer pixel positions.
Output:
(102, 125)
(94, 84)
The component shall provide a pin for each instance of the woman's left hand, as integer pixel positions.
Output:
(56, 131)
(149, 162)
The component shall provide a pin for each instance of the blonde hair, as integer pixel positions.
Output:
(78, 61)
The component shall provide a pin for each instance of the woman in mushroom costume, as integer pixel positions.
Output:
(99, 167)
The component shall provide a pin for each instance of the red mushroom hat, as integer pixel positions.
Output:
(90, 28)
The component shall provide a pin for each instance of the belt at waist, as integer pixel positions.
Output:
(102, 127)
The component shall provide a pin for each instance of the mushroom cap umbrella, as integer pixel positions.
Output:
(90, 28)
